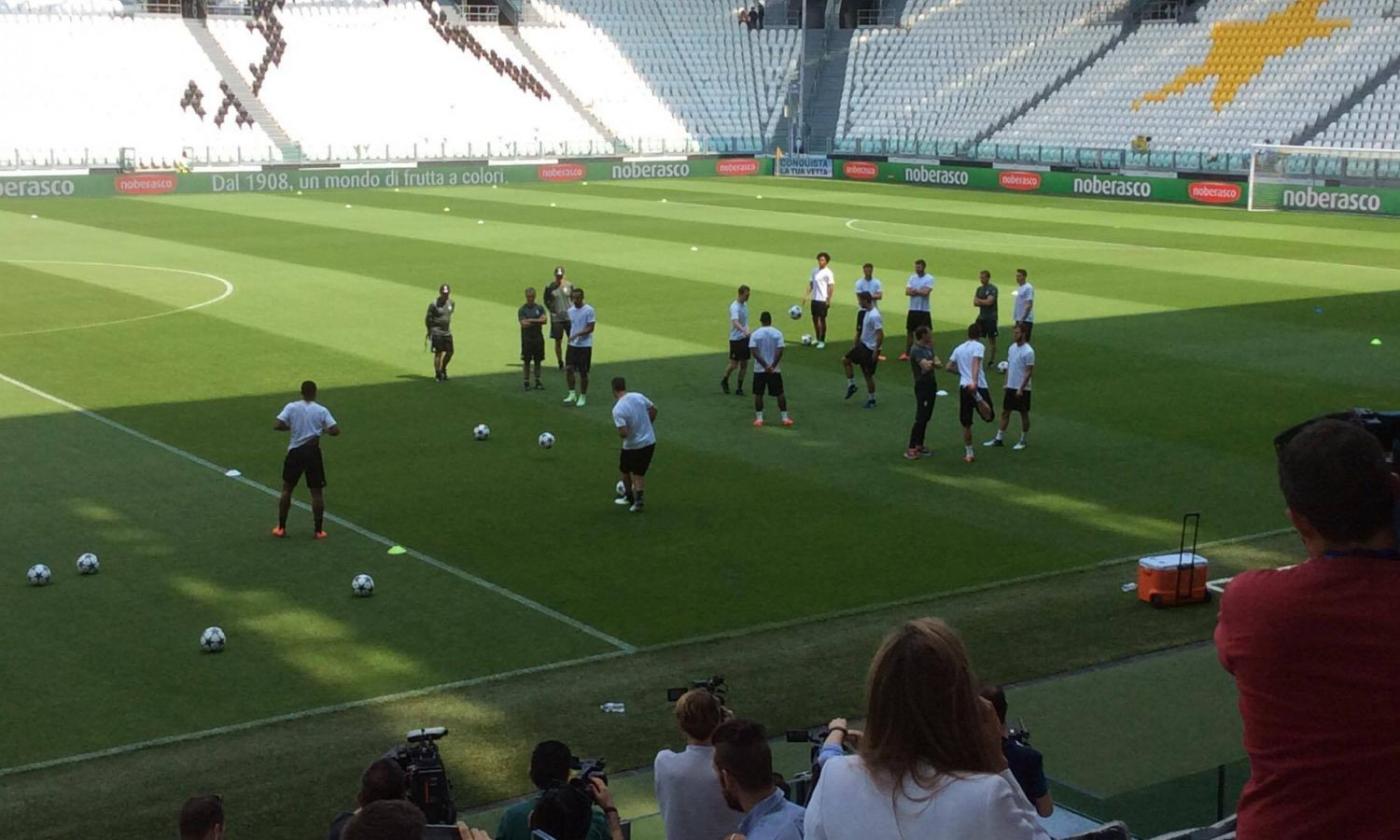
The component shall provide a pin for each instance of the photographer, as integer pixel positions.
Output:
(1315, 649)
(744, 762)
(566, 812)
(550, 767)
(398, 819)
(687, 786)
(1026, 762)
(384, 779)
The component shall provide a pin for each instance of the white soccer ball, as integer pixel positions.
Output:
(1002, 366)
(795, 312)
(39, 575)
(87, 563)
(546, 440)
(362, 585)
(621, 489)
(212, 639)
(481, 432)
(807, 340)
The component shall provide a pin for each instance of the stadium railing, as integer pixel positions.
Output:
(1196, 799)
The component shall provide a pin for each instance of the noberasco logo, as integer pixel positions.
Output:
(562, 172)
(1019, 181)
(37, 187)
(626, 171)
(940, 177)
(146, 183)
(1112, 187)
(732, 167)
(1343, 202)
(1214, 192)
(860, 170)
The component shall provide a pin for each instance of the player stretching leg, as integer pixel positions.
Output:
(866, 351)
(973, 395)
(307, 420)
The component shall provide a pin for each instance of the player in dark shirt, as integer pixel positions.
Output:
(532, 317)
(985, 299)
(923, 361)
(438, 322)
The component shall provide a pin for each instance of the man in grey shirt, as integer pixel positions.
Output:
(687, 787)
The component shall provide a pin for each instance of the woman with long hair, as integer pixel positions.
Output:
(929, 763)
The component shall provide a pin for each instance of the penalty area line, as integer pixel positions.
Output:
(476, 580)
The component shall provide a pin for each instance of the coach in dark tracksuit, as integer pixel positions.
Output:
(923, 360)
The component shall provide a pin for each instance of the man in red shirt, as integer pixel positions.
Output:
(1315, 650)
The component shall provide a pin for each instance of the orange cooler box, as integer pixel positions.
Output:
(1176, 578)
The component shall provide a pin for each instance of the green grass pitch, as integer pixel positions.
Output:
(1172, 343)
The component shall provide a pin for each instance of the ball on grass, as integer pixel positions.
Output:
(794, 312)
(362, 585)
(212, 640)
(39, 575)
(87, 563)
(481, 431)
(546, 440)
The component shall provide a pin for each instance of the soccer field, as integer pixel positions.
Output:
(1172, 343)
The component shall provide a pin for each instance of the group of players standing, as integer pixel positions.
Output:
(969, 360)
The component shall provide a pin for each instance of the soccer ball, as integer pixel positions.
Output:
(362, 585)
(1002, 366)
(212, 639)
(39, 575)
(546, 440)
(795, 312)
(87, 564)
(807, 341)
(481, 432)
(621, 489)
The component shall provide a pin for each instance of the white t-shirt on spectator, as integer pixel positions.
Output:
(1025, 296)
(962, 358)
(739, 312)
(918, 303)
(308, 421)
(820, 278)
(688, 793)
(579, 318)
(764, 343)
(631, 412)
(1018, 358)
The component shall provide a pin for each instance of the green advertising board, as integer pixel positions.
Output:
(1374, 201)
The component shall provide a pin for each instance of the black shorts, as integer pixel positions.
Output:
(739, 349)
(636, 461)
(767, 383)
(532, 346)
(989, 328)
(1011, 402)
(819, 308)
(914, 320)
(580, 359)
(560, 329)
(305, 459)
(864, 357)
(967, 406)
(442, 344)
(1026, 327)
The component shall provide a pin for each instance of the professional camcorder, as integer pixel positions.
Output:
(428, 787)
(1383, 425)
(715, 685)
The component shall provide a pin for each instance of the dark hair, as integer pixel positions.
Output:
(199, 814)
(1334, 474)
(698, 712)
(921, 332)
(823, 254)
(920, 262)
(1022, 272)
(743, 289)
(984, 273)
(387, 819)
(308, 390)
(619, 384)
(742, 751)
(868, 265)
(997, 697)
(765, 318)
(974, 330)
(864, 296)
(564, 813)
(384, 779)
(550, 764)
(529, 290)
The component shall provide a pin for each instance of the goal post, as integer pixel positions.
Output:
(1324, 179)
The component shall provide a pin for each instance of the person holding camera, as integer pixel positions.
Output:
(687, 787)
(744, 763)
(566, 812)
(384, 779)
(550, 767)
(1025, 761)
(1315, 648)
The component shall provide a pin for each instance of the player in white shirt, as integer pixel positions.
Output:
(1023, 310)
(633, 415)
(821, 287)
(866, 351)
(738, 341)
(579, 357)
(919, 289)
(766, 343)
(307, 420)
(868, 282)
(1020, 365)
(973, 395)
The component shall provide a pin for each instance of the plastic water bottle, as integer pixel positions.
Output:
(614, 708)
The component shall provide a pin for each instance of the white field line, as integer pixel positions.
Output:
(228, 290)
(476, 580)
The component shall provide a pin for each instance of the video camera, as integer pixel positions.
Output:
(1383, 425)
(428, 786)
(1019, 733)
(715, 685)
(587, 770)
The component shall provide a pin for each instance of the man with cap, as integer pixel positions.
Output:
(439, 324)
(558, 296)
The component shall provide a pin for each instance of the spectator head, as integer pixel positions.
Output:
(766, 319)
(1339, 489)
(744, 763)
(550, 764)
(564, 813)
(308, 390)
(997, 697)
(387, 819)
(384, 779)
(202, 818)
(698, 713)
(924, 717)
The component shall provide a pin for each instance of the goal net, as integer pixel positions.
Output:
(1321, 178)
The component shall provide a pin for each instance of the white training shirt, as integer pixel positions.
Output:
(1018, 359)
(308, 421)
(962, 360)
(765, 342)
(917, 283)
(631, 412)
(820, 278)
(579, 318)
(738, 311)
(872, 286)
(873, 322)
(689, 795)
(1025, 296)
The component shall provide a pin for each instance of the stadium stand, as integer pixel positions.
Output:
(1373, 123)
(1249, 71)
(701, 82)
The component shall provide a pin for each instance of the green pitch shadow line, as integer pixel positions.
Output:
(476, 580)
